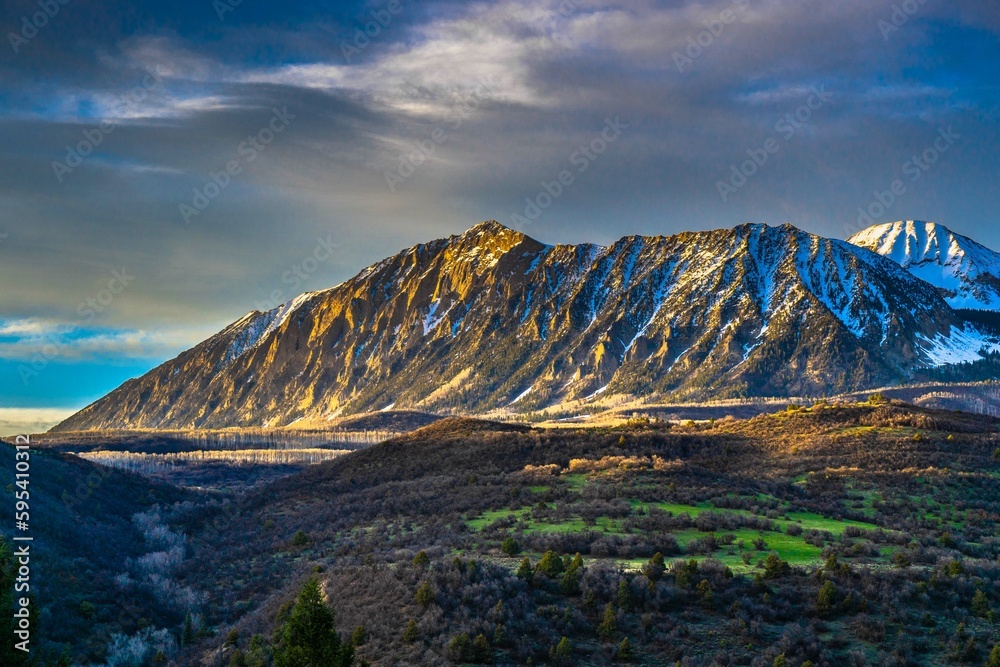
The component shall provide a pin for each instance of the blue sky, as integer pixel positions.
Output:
(226, 145)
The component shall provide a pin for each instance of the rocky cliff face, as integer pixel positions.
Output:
(493, 318)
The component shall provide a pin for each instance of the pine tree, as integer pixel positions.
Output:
(980, 604)
(655, 567)
(609, 625)
(187, 638)
(525, 571)
(563, 650)
(624, 596)
(994, 659)
(481, 649)
(410, 633)
(309, 638)
(570, 584)
(827, 598)
(425, 595)
(625, 650)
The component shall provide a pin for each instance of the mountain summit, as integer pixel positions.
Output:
(494, 319)
(967, 272)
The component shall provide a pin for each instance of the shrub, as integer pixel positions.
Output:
(551, 564)
(510, 547)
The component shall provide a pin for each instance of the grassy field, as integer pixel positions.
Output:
(792, 548)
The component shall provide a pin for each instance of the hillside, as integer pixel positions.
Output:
(90, 527)
(839, 535)
(494, 319)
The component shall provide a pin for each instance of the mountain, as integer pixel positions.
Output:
(967, 273)
(494, 319)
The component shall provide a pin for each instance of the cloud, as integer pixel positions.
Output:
(25, 421)
(33, 340)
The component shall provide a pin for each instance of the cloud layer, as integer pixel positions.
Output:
(407, 121)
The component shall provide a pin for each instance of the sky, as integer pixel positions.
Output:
(166, 168)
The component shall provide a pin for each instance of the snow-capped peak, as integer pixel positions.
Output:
(967, 272)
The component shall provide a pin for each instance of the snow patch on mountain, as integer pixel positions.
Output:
(960, 346)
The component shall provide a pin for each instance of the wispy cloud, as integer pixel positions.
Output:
(34, 339)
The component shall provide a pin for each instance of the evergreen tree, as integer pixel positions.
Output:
(827, 598)
(980, 604)
(510, 547)
(551, 564)
(624, 596)
(410, 633)
(570, 584)
(625, 650)
(481, 649)
(563, 651)
(655, 567)
(187, 637)
(525, 571)
(425, 595)
(309, 638)
(609, 625)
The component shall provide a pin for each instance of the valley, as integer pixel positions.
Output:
(833, 533)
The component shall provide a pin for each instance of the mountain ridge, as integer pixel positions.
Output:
(492, 318)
